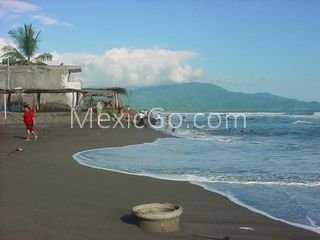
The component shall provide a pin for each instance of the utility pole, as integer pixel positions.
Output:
(5, 95)
(9, 83)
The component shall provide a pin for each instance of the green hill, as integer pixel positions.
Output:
(210, 97)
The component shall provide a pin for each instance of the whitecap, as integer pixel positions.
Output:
(306, 122)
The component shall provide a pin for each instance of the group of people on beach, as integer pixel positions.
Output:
(29, 119)
(173, 129)
(122, 111)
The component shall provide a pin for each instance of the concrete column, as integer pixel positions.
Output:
(38, 101)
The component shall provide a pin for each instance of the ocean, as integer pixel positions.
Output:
(273, 169)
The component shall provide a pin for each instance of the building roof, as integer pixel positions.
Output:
(117, 90)
(85, 91)
(70, 68)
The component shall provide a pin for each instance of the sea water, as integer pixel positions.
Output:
(274, 170)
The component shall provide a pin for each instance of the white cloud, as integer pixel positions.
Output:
(199, 72)
(13, 6)
(5, 42)
(13, 9)
(132, 67)
(51, 21)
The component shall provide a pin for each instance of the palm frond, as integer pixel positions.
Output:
(11, 52)
(26, 39)
(44, 57)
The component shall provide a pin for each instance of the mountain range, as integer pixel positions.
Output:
(209, 97)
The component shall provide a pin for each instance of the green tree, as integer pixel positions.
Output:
(27, 41)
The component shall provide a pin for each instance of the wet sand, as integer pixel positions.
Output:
(45, 194)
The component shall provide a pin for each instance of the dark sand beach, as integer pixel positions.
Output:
(45, 194)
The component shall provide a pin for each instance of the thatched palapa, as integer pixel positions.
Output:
(80, 94)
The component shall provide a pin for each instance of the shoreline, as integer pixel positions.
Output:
(314, 229)
(44, 192)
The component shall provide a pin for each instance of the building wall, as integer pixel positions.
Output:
(54, 77)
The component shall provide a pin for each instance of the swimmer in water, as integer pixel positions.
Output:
(246, 131)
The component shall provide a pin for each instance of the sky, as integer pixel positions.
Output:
(245, 45)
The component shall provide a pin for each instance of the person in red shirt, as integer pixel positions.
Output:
(28, 119)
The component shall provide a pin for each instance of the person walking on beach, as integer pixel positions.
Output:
(28, 119)
(99, 108)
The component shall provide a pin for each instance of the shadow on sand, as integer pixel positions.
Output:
(20, 137)
(129, 219)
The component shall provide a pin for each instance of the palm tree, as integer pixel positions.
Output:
(27, 41)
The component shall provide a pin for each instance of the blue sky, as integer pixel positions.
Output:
(248, 45)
